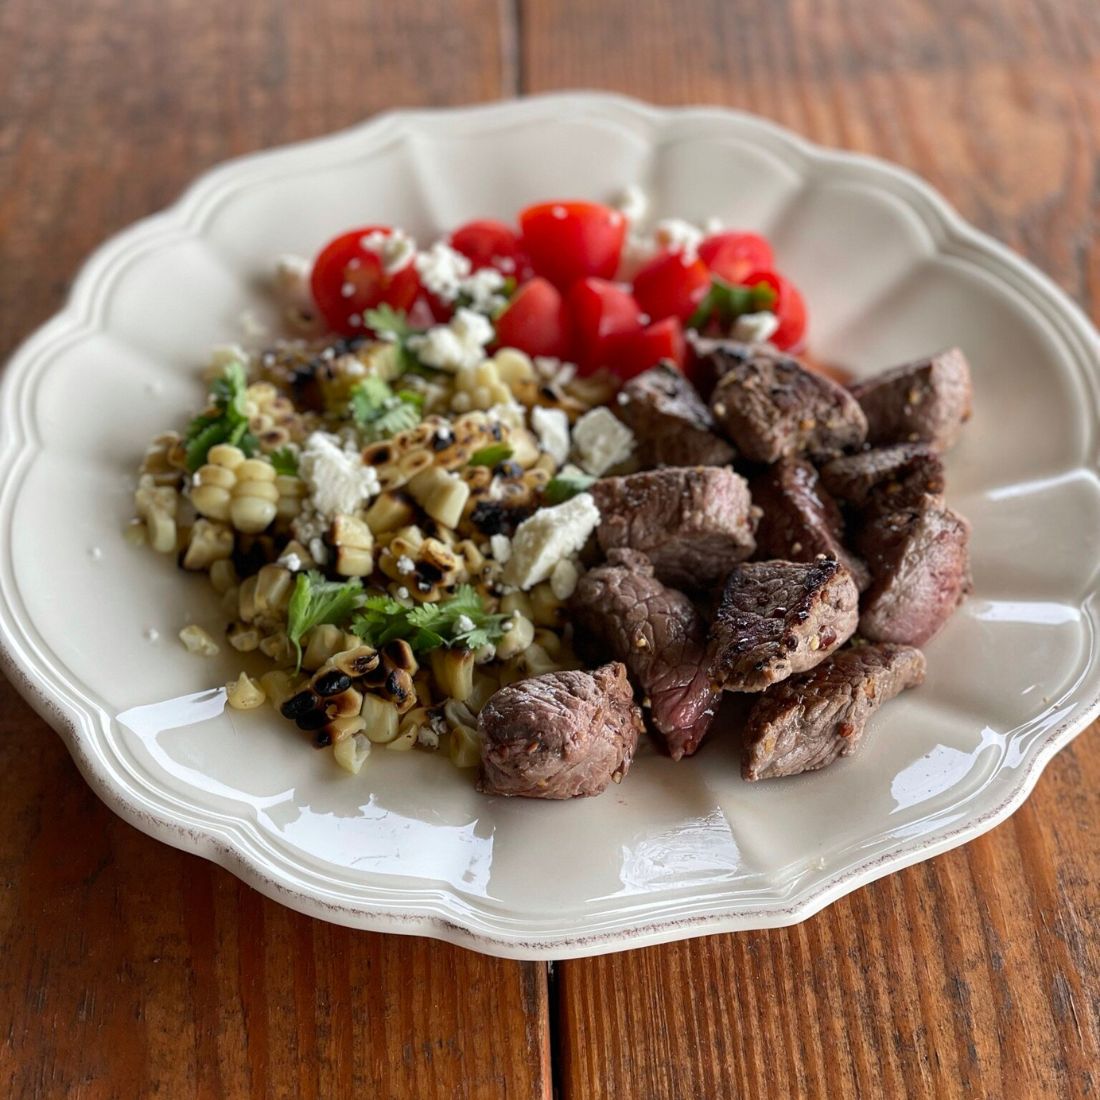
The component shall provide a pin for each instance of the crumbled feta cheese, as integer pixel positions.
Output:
(318, 551)
(484, 290)
(552, 428)
(442, 270)
(427, 737)
(402, 593)
(464, 624)
(600, 441)
(633, 203)
(405, 565)
(563, 579)
(571, 470)
(542, 540)
(290, 561)
(336, 478)
(396, 249)
(500, 546)
(555, 370)
(755, 328)
(152, 634)
(678, 236)
(458, 344)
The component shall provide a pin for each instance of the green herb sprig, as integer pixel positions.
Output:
(315, 601)
(224, 422)
(725, 302)
(559, 489)
(459, 621)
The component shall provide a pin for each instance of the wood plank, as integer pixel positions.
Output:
(974, 974)
(128, 968)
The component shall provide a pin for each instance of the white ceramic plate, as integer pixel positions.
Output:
(679, 849)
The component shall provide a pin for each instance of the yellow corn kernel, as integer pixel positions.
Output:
(242, 637)
(464, 747)
(278, 648)
(244, 693)
(198, 641)
(388, 512)
(246, 599)
(517, 601)
(519, 633)
(223, 575)
(381, 719)
(351, 753)
(324, 642)
(486, 685)
(344, 726)
(453, 670)
(209, 542)
(545, 606)
(280, 685)
(536, 661)
(440, 494)
(409, 730)
(274, 585)
(255, 469)
(225, 454)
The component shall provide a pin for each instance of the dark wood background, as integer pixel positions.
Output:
(129, 969)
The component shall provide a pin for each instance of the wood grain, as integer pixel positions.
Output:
(975, 974)
(130, 969)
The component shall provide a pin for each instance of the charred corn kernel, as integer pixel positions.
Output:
(354, 545)
(243, 637)
(197, 641)
(519, 633)
(440, 494)
(225, 454)
(388, 512)
(158, 506)
(545, 606)
(244, 693)
(409, 730)
(277, 646)
(162, 460)
(356, 660)
(209, 542)
(592, 389)
(517, 601)
(486, 685)
(274, 586)
(223, 575)
(380, 718)
(536, 661)
(323, 643)
(344, 705)
(246, 599)
(399, 655)
(292, 491)
(464, 747)
(453, 670)
(351, 753)
(280, 685)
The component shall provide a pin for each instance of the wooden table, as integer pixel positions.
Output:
(129, 969)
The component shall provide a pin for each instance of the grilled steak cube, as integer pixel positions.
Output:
(622, 609)
(670, 421)
(919, 561)
(800, 521)
(772, 407)
(779, 618)
(561, 735)
(886, 479)
(808, 721)
(693, 523)
(925, 401)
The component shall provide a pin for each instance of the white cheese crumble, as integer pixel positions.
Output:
(755, 328)
(458, 344)
(500, 546)
(464, 624)
(290, 561)
(600, 441)
(396, 249)
(632, 202)
(678, 236)
(552, 428)
(405, 565)
(563, 579)
(555, 370)
(484, 289)
(337, 480)
(291, 286)
(542, 540)
(442, 269)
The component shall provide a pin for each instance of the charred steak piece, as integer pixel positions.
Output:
(808, 721)
(561, 735)
(800, 521)
(772, 407)
(918, 559)
(623, 609)
(925, 401)
(779, 618)
(886, 479)
(670, 421)
(694, 523)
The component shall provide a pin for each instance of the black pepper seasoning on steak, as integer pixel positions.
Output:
(885, 479)
(799, 520)
(919, 560)
(562, 735)
(623, 609)
(780, 618)
(670, 421)
(693, 523)
(927, 401)
(809, 720)
(772, 407)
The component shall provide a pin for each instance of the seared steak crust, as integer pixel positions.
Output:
(693, 523)
(780, 618)
(622, 609)
(809, 720)
(670, 421)
(886, 479)
(561, 735)
(927, 401)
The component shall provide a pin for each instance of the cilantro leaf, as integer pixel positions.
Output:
(225, 421)
(493, 455)
(315, 601)
(392, 325)
(285, 461)
(559, 489)
(726, 302)
(460, 620)
(380, 412)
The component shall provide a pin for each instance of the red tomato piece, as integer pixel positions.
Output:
(647, 347)
(671, 285)
(348, 279)
(732, 256)
(603, 315)
(788, 306)
(536, 321)
(487, 243)
(568, 241)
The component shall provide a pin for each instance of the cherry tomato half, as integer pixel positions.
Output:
(732, 256)
(488, 243)
(348, 279)
(671, 285)
(603, 315)
(647, 347)
(536, 321)
(568, 241)
(788, 307)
